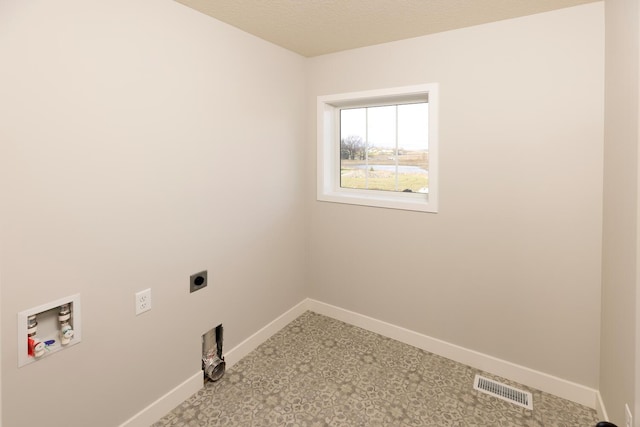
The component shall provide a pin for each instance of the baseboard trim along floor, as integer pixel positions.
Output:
(539, 380)
(166, 403)
(250, 344)
(600, 409)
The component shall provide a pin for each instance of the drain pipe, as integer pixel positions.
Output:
(213, 363)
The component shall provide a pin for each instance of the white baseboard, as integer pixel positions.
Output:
(248, 345)
(166, 403)
(539, 380)
(600, 409)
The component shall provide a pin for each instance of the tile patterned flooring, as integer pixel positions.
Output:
(318, 371)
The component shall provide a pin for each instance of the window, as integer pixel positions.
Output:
(379, 148)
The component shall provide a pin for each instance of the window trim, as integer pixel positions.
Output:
(328, 148)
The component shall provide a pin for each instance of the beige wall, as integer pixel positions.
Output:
(510, 266)
(122, 129)
(620, 226)
(141, 143)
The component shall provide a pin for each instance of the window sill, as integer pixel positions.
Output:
(381, 199)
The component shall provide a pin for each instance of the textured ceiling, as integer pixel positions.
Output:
(316, 27)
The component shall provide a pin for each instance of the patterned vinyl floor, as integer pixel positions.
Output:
(318, 371)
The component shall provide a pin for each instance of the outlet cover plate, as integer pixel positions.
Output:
(198, 281)
(143, 301)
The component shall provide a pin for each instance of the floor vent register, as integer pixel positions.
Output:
(503, 391)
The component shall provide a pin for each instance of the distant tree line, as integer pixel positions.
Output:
(353, 148)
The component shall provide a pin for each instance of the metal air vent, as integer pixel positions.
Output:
(504, 392)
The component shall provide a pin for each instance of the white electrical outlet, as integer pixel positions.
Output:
(143, 301)
(627, 416)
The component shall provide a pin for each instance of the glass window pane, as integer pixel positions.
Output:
(353, 134)
(385, 148)
(413, 147)
(382, 148)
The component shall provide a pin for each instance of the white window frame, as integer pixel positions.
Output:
(328, 179)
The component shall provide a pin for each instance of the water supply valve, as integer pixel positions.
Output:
(66, 331)
(35, 347)
(58, 326)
